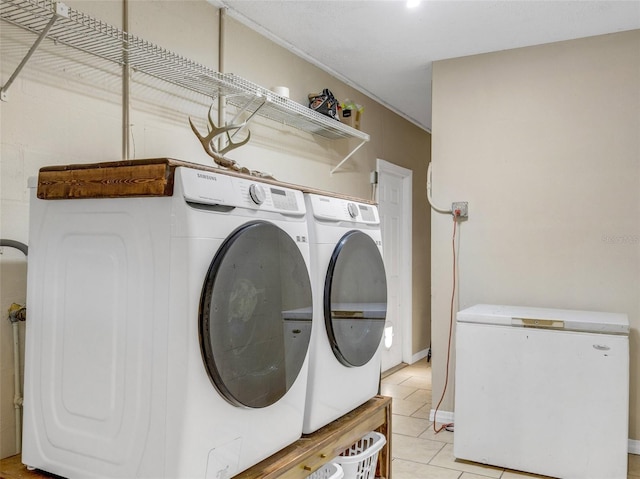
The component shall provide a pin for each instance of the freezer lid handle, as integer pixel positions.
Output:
(538, 323)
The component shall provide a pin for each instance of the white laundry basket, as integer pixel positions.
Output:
(360, 460)
(328, 471)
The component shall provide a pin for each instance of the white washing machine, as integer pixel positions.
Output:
(157, 344)
(349, 307)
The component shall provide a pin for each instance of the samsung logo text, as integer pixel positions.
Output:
(207, 177)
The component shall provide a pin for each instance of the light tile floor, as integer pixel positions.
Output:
(419, 453)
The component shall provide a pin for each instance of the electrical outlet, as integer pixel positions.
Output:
(460, 209)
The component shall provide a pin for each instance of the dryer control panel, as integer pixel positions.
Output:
(210, 188)
(337, 209)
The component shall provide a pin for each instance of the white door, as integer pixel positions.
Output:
(394, 203)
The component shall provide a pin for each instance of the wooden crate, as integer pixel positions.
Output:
(135, 178)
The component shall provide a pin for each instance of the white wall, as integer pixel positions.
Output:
(62, 111)
(544, 144)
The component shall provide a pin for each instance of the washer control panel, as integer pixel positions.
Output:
(284, 199)
(329, 208)
(211, 188)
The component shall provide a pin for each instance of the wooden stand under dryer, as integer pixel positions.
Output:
(314, 450)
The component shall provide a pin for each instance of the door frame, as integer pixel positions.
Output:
(406, 291)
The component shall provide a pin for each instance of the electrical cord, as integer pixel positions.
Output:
(448, 426)
(443, 211)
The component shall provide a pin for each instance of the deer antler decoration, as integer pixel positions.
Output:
(208, 142)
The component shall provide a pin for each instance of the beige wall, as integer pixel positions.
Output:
(544, 144)
(62, 112)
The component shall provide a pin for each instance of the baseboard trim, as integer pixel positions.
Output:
(634, 447)
(419, 355)
(443, 416)
(392, 370)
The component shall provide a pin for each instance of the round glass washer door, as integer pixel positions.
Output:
(255, 315)
(355, 299)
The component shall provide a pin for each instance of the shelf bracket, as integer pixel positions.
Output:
(348, 156)
(61, 10)
(236, 118)
(249, 118)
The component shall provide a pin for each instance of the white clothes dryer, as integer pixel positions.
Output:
(349, 307)
(157, 344)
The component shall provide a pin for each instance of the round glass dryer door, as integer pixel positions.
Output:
(255, 315)
(355, 299)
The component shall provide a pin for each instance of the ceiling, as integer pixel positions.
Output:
(386, 49)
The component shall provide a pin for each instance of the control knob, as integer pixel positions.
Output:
(352, 209)
(257, 193)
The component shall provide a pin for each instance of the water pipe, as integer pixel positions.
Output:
(17, 313)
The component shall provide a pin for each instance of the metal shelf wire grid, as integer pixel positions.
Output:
(95, 37)
(98, 38)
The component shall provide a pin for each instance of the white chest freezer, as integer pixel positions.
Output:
(543, 391)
